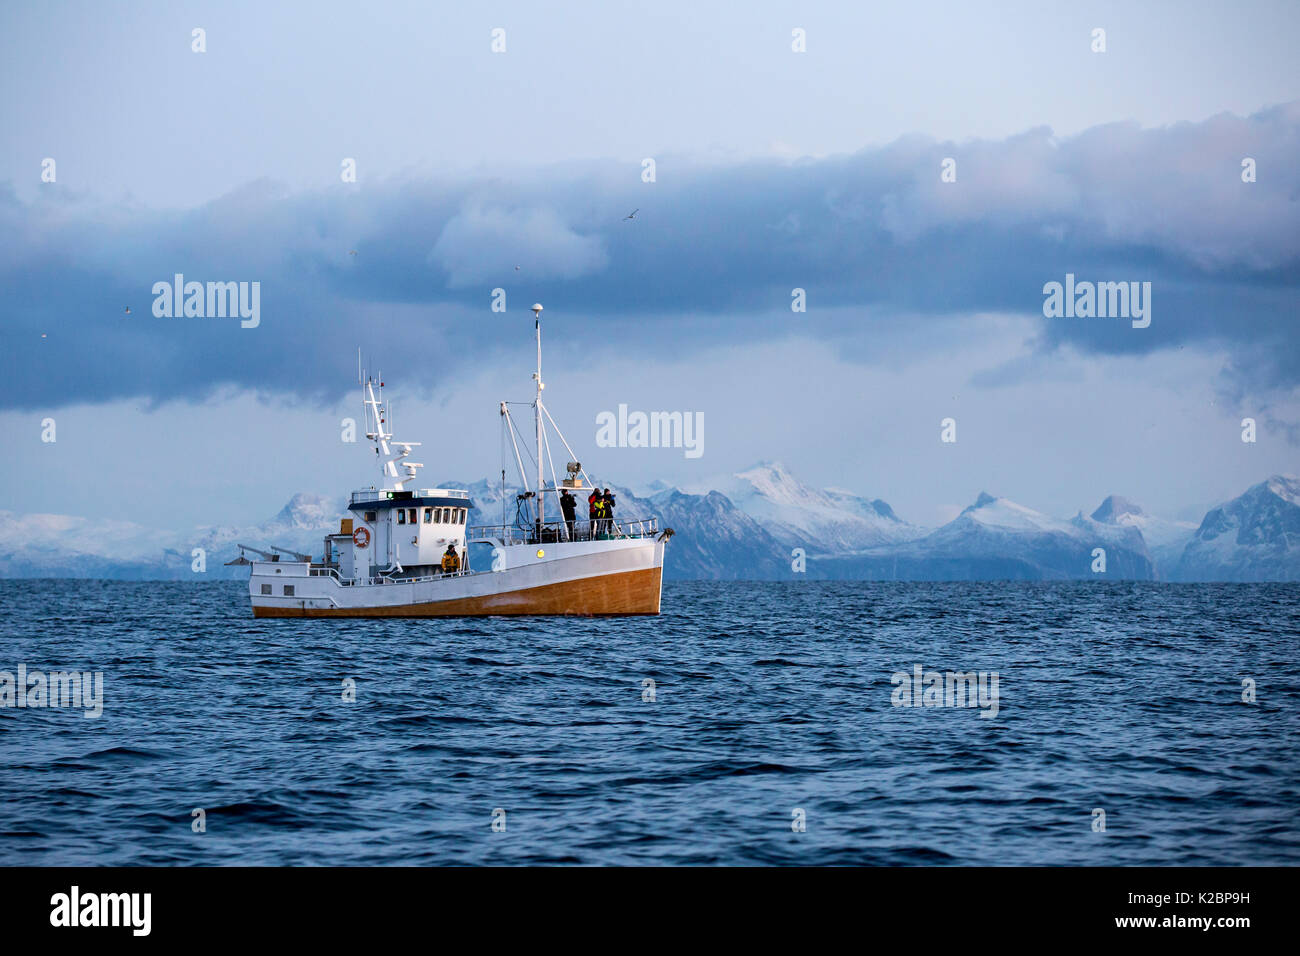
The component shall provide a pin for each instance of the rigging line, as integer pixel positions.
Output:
(555, 485)
(546, 448)
(536, 508)
(572, 456)
(518, 461)
(527, 450)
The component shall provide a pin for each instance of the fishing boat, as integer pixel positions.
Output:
(404, 551)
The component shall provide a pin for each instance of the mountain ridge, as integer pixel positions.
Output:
(761, 531)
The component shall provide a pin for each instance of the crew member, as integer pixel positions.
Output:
(569, 506)
(609, 510)
(450, 560)
(594, 501)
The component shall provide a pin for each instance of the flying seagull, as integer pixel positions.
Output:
(632, 214)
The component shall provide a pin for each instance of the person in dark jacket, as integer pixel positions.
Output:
(569, 506)
(609, 511)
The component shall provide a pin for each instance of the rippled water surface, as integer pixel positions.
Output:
(769, 697)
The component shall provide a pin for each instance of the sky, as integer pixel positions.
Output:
(774, 170)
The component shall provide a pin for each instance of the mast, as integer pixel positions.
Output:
(379, 425)
(537, 413)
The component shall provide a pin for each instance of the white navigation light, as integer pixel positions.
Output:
(537, 309)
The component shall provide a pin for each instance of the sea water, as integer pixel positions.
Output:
(750, 723)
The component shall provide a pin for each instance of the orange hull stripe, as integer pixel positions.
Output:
(629, 592)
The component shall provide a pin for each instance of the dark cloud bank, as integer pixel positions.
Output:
(712, 255)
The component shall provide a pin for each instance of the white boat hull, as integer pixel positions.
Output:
(614, 577)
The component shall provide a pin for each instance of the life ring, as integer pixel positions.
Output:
(361, 537)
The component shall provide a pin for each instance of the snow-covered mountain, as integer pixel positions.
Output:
(995, 538)
(1254, 537)
(1165, 539)
(713, 538)
(64, 546)
(748, 532)
(822, 521)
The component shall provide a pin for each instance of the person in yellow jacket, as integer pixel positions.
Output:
(450, 560)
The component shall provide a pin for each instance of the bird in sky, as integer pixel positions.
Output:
(632, 214)
(352, 252)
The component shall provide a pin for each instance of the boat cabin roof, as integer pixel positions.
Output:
(380, 499)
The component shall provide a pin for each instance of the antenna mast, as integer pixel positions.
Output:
(379, 424)
(537, 410)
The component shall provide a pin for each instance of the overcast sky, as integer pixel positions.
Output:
(775, 170)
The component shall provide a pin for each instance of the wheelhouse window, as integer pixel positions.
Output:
(464, 513)
(428, 515)
(371, 516)
(401, 516)
(441, 516)
(413, 512)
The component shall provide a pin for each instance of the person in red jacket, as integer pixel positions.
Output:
(594, 502)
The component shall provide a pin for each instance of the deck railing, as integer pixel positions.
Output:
(553, 531)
